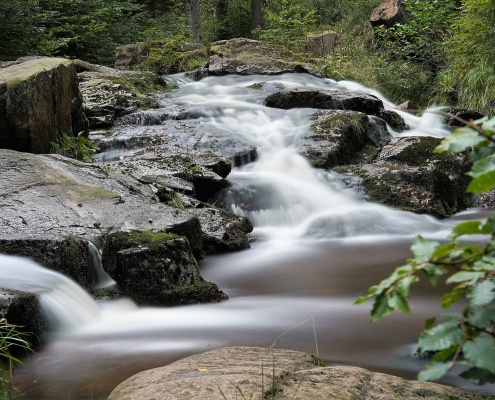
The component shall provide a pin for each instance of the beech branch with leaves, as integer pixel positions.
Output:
(466, 338)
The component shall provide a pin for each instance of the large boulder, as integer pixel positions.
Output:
(248, 57)
(273, 373)
(337, 138)
(109, 93)
(157, 269)
(388, 13)
(52, 206)
(39, 101)
(22, 309)
(407, 175)
(334, 99)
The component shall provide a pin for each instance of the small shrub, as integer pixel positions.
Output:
(469, 267)
(78, 147)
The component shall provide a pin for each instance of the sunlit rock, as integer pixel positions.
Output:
(389, 13)
(248, 57)
(39, 102)
(225, 372)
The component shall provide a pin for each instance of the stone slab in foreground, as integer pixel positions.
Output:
(272, 373)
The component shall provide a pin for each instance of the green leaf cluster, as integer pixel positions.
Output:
(420, 39)
(78, 147)
(287, 24)
(468, 269)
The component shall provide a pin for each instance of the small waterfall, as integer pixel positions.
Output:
(64, 303)
(98, 278)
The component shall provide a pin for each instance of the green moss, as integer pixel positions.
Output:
(139, 238)
(138, 84)
(256, 86)
(17, 74)
(168, 57)
(348, 121)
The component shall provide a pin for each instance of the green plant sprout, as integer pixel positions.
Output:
(78, 147)
(469, 269)
(10, 337)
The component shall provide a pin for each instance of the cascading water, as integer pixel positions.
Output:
(321, 247)
(65, 305)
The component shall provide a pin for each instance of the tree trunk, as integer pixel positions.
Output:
(221, 14)
(256, 14)
(196, 32)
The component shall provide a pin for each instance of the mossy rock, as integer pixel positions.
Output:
(157, 269)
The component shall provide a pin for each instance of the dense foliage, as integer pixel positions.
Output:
(466, 337)
(442, 53)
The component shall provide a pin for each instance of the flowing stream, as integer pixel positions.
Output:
(320, 246)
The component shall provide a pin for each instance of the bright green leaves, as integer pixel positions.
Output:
(478, 141)
(481, 294)
(435, 371)
(469, 277)
(469, 267)
(442, 336)
(483, 174)
(460, 140)
(482, 319)
(480, 353)
(423, 249)
(470, 228)
(78, 147)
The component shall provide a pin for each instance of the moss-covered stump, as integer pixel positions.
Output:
(157, 269)
(408, 176)
(39, 101)
(337, 137)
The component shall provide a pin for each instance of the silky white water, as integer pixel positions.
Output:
(320, 247)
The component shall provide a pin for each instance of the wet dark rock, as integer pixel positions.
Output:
(51, 206)
(248, 57)
(465, 114)
(408, 176)
(335, 100)
(325, 99)
(22, 309)
(339, 137)
(39, 102)
(393, 119)
(157, 269)
(68, 255)
(172, 137)
(192, 175)
(222, 231)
